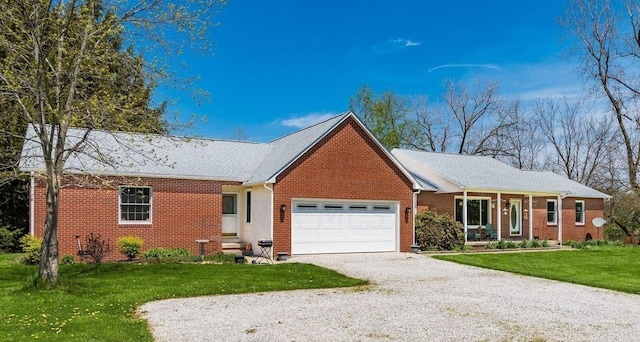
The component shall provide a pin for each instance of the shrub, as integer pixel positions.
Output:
(524, 244)
(96, 249)
(10, 239)
(545, 243)
(491, 245)
(438, 231)
(130, 246)
(510, 244)
(502, 244)
(162, 252)
(68, 260)
(33, 247)
(535, 243)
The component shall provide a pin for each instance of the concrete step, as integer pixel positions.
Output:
(232, 245)
(232, 251)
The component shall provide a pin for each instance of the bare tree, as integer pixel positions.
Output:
(522, 141)
(580, 141)
(432, 126)
(479, 116)
(608, 39)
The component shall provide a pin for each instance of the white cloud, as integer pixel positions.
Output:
(466, 65)
(307, 120)
(405, 42)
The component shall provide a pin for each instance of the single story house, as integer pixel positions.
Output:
(328, 188)
(482, 191)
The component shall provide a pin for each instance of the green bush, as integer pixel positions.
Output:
(10, 239)
(510, 244)
(491, 245)
(545, 243)
(162, 252)
(438, 231)
(33, 247)
(68, 260)
(130, 246)
(525, 244)
(502, 244)
(535, 243)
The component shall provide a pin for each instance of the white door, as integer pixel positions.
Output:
(343, 227)
(515, 221)
(230, 215)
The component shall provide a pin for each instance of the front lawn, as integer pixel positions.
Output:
(615, 268)
(98, 302)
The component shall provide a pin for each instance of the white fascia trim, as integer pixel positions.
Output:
(145, 175)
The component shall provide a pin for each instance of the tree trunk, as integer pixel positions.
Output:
(49, 260)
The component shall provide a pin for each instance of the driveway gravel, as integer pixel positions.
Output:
(413, 297)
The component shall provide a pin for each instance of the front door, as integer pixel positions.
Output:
(515, 221)
(230, 215)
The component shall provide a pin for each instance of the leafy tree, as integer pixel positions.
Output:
(385, 116)
(63, 65)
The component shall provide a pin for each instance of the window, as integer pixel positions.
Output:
(552, 212)
(307, 206)
(477, 211)
(248, 206)
(580, 212)
(229, 204)
(135, 204)
(333, 206)
(381, 208)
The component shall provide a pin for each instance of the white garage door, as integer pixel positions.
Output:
(343, 227)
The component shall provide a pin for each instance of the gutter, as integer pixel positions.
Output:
(415, 212)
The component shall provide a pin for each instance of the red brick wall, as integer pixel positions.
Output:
(182, 211)
(444, 203)
(346, 164)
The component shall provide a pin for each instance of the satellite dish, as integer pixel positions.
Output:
(598, 222)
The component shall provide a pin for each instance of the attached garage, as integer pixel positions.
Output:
(321, 226)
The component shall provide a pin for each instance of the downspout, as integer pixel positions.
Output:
(271, 214)
(415, 212)
(32, 209)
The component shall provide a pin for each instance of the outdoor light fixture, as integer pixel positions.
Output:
(526, 213)
(407, 210)
(283, 208)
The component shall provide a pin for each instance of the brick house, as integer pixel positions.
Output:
(496, 201)
(329, 188)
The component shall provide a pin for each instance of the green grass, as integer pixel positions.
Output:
(98, 302)
(615, 268)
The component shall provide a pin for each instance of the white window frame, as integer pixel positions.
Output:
(584, 212)
(555, 212)
(471, 198)
(120, 204)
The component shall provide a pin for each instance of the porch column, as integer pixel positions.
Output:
(464, 214)
(499, 215)
(530, 217)
(560, 219)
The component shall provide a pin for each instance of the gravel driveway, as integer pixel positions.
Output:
(414, 297)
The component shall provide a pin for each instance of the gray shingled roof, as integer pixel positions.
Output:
(287, 149)
(485, 173)
(154, 155)
(141, 155)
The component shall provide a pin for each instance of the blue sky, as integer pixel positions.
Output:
(280, 65)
